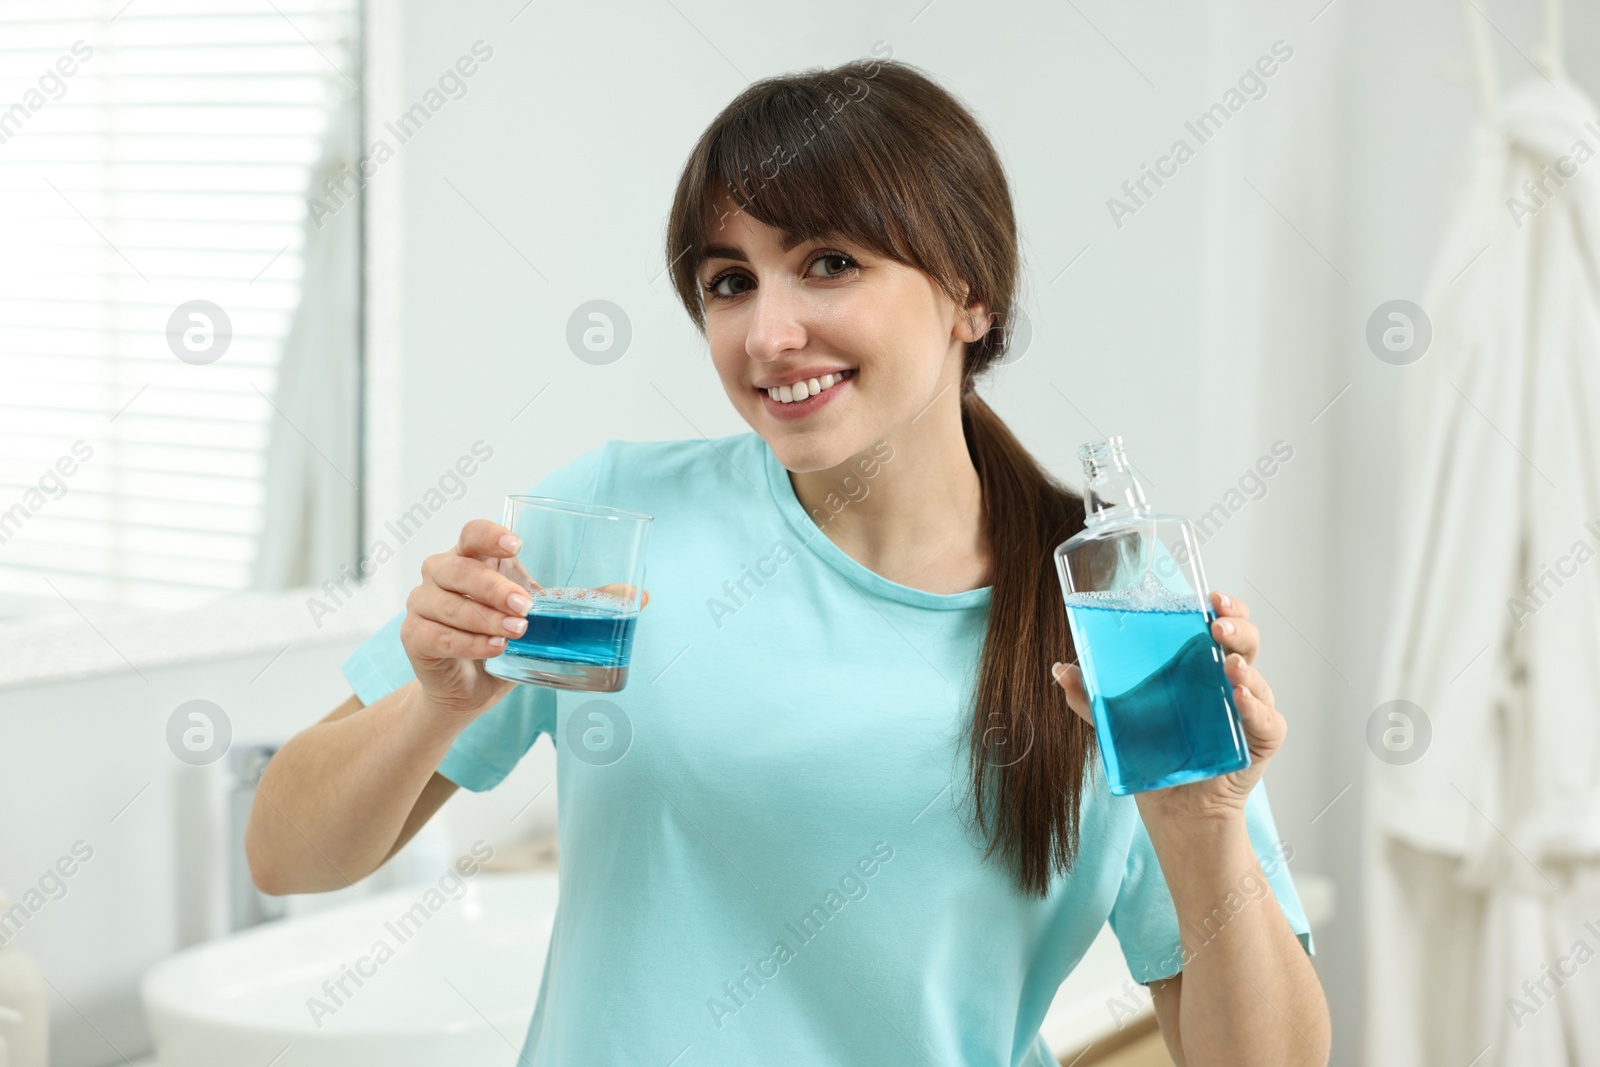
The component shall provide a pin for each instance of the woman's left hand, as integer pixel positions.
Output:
(1264, 726)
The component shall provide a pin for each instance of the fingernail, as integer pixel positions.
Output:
(1224, 598)
(510, 543)
(1057, 669)
(519, 603)
(514, 626)
(1227, 627)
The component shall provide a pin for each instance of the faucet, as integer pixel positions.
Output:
(247, 905)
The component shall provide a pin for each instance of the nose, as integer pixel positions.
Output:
(776, 325)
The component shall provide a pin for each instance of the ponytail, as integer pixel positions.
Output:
(1028, 750)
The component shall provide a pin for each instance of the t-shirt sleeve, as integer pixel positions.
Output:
(1146, 923)
(491, 746)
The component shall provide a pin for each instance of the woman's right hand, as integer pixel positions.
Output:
(456, 618)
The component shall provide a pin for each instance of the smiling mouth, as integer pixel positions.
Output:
(807, 388)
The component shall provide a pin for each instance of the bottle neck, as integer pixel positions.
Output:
(1110, 488)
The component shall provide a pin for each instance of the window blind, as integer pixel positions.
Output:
(152, 153)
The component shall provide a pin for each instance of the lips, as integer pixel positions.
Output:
(801, 389)
(790, 410)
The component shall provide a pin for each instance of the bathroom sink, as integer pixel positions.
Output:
(441, 980)
(456, 983)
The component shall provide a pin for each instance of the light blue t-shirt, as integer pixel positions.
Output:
(766, 844)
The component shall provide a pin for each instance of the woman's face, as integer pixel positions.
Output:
(790, 317)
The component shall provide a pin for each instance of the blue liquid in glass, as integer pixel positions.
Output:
(1163, 706)
(592, 631)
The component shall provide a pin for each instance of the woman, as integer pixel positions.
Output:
(839, 814)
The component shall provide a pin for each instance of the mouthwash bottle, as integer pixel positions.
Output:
(1140, 615)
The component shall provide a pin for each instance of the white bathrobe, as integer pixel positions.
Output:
(1483, 856)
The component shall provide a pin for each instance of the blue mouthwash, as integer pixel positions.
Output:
(1137, 606)
(578, 627)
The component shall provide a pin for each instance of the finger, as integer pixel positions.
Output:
(463, 613)
(1070, 679)
(1244, 676)
(478, 580)
(1237, 634)
(481, 539)
(1264, 725)
(432, 640)
(1227, 605)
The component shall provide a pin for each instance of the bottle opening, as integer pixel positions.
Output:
(1111, 446)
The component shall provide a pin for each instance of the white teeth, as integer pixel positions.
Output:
(789, 394)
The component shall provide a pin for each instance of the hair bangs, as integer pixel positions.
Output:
(807, 158)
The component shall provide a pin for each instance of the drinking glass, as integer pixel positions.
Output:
(582, 565)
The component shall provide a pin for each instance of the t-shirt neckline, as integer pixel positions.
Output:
(818, 543)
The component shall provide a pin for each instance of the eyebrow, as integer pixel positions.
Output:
(733, 252)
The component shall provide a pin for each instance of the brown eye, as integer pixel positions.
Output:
(834, 257)
(711, 287)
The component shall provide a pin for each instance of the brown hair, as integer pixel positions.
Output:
(876, 151)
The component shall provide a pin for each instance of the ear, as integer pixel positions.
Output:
(974, 322)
